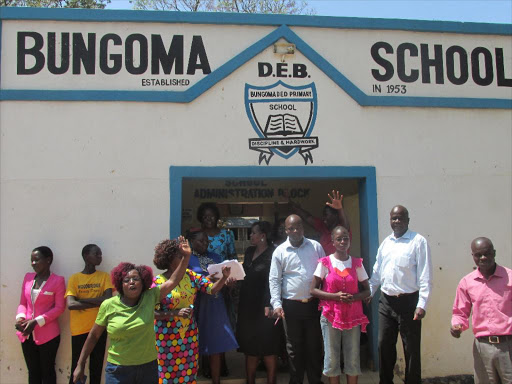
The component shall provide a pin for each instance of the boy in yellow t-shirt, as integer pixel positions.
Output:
(86, 291)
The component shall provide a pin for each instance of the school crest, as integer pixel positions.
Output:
(283, 117)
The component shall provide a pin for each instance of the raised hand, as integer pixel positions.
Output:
(336, 200)
(184, 246)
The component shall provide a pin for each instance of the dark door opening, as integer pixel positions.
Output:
(244, 194)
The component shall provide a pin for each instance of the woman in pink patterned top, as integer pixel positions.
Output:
(335, 283)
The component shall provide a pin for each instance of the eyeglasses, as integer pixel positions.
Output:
(341, 239)
(135, 279)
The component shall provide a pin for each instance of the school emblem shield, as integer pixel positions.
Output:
(283, 117)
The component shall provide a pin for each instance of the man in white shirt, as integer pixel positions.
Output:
(403, 270)
(291, 272)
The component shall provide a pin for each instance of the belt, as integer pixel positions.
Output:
(401, 294)
(494, 339)
(302, 300)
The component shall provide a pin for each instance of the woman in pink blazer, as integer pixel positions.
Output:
(41, 303)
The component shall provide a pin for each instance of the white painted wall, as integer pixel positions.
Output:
(79, 172)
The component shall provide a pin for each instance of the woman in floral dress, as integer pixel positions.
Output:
(176, 330)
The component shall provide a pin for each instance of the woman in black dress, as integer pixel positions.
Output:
(256, 333)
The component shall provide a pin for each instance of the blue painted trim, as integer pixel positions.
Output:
(230, 66)
(435, 102)
(367, 204)
(24, 13)
(183, 97)
(94, 95)
(175, 189)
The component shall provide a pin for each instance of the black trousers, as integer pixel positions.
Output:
(396, 315)
(95, 359)
(40, 360)
(304, 341)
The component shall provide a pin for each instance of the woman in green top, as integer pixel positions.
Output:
(128, 319)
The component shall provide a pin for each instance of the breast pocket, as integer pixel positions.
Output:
(403, 262)
(507, 299)
(404, 268)
(45, 298)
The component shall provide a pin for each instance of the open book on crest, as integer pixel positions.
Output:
(283, 125)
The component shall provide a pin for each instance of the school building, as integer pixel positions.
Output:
(116, 125)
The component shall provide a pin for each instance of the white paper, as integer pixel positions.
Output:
(237, 271)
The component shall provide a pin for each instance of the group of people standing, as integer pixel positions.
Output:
(403, 273)
(317, 297)
(314, 291)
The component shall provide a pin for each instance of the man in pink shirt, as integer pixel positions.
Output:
(487, 292)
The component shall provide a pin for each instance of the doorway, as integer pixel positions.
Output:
(246, 194)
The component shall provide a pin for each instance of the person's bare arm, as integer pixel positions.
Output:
(167, 315)
(177, 275)
(337, 204)
(74, 304)
(77, 304)
(361, 295)
(304, 215)
(318, 293)
(226, 271)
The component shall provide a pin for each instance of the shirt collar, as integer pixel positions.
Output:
(289, 245)
(498, 272)
(406, 235)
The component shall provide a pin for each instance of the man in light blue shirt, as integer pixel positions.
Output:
(291, 272)
(403, 270)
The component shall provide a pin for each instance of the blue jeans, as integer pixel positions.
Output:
(332, 346)
(132, 374)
